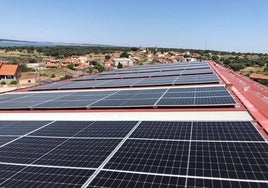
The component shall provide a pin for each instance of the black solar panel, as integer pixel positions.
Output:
(138, 154)
(27, 150)
(164, 157)
(7, 171)
(237, 131)
(43, 177)
(132, 82)
(171, 97)
(6, 139)
(163, 130)
(63, 128)
(193, 183)
(21, 127)
(229, 160)
(79, 153)
(108, 129)
(123, 180)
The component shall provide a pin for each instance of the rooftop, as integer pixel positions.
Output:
(175, 125)
(8, 70)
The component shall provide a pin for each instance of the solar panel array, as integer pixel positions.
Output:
(132, 154)
(147, 74)
(135, 82)
(160, 67)
(168, 97)
(157, 68)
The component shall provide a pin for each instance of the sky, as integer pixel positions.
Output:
(226, 25)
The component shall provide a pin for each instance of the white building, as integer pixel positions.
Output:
(126, 62)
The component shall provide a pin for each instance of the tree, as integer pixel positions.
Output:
(52, 76)
(99, 67)
(13, 82)
(90, 70)
(215, 58)
(3, 83)
(124, 54)
(24, 68)
(237, 66)
(120, 65)
(70, 66)
(107, 57)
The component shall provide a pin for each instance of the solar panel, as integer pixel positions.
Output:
(163, 130)
(62, 128)
(27, 150)
(6, 139)
(199, 96)
(122, 180)
(147, 74)
(79, 153)
(134, 82)
(7, 171)
(170, 97)
(193, 182)
(236, 131)
(62, 104)
(108, 129)
(164, 157)
(28, 176)
(138, 154)
(237, 160)
(21, 128)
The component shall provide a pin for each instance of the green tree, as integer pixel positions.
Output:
(70, 66)
(13, 82)
(52, 76)
(124, 54)
(90, 70)
(120, 65)
(3, 83)
(99, 67)
(237, 66)
(24, 68)
(107, 57)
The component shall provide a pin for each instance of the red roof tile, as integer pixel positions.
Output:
(8, 69)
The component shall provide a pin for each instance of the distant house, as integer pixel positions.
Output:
(9, 72)
(126, 62)
(82, 67)
(52, 63)
(27, 78)
(109, 64)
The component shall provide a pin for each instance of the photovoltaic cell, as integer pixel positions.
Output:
(165, 157)
(163, 130)
(162, 79)
(62, 128)
(46, 177)
(123, 180)
(193, 183)
(21, 127)
(108, 129)
(27, 150)
(236, 131)
(201, 152)
(7, 171)
(6, 139)
(80, 153)
(229, 160)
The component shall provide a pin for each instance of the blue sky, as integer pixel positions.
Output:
(230, 25)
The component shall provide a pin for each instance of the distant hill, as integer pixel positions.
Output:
(11, 42)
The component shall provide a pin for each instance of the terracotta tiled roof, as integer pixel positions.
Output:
(259, 76)
(82, 67)
(51, 65)
(8, 69)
